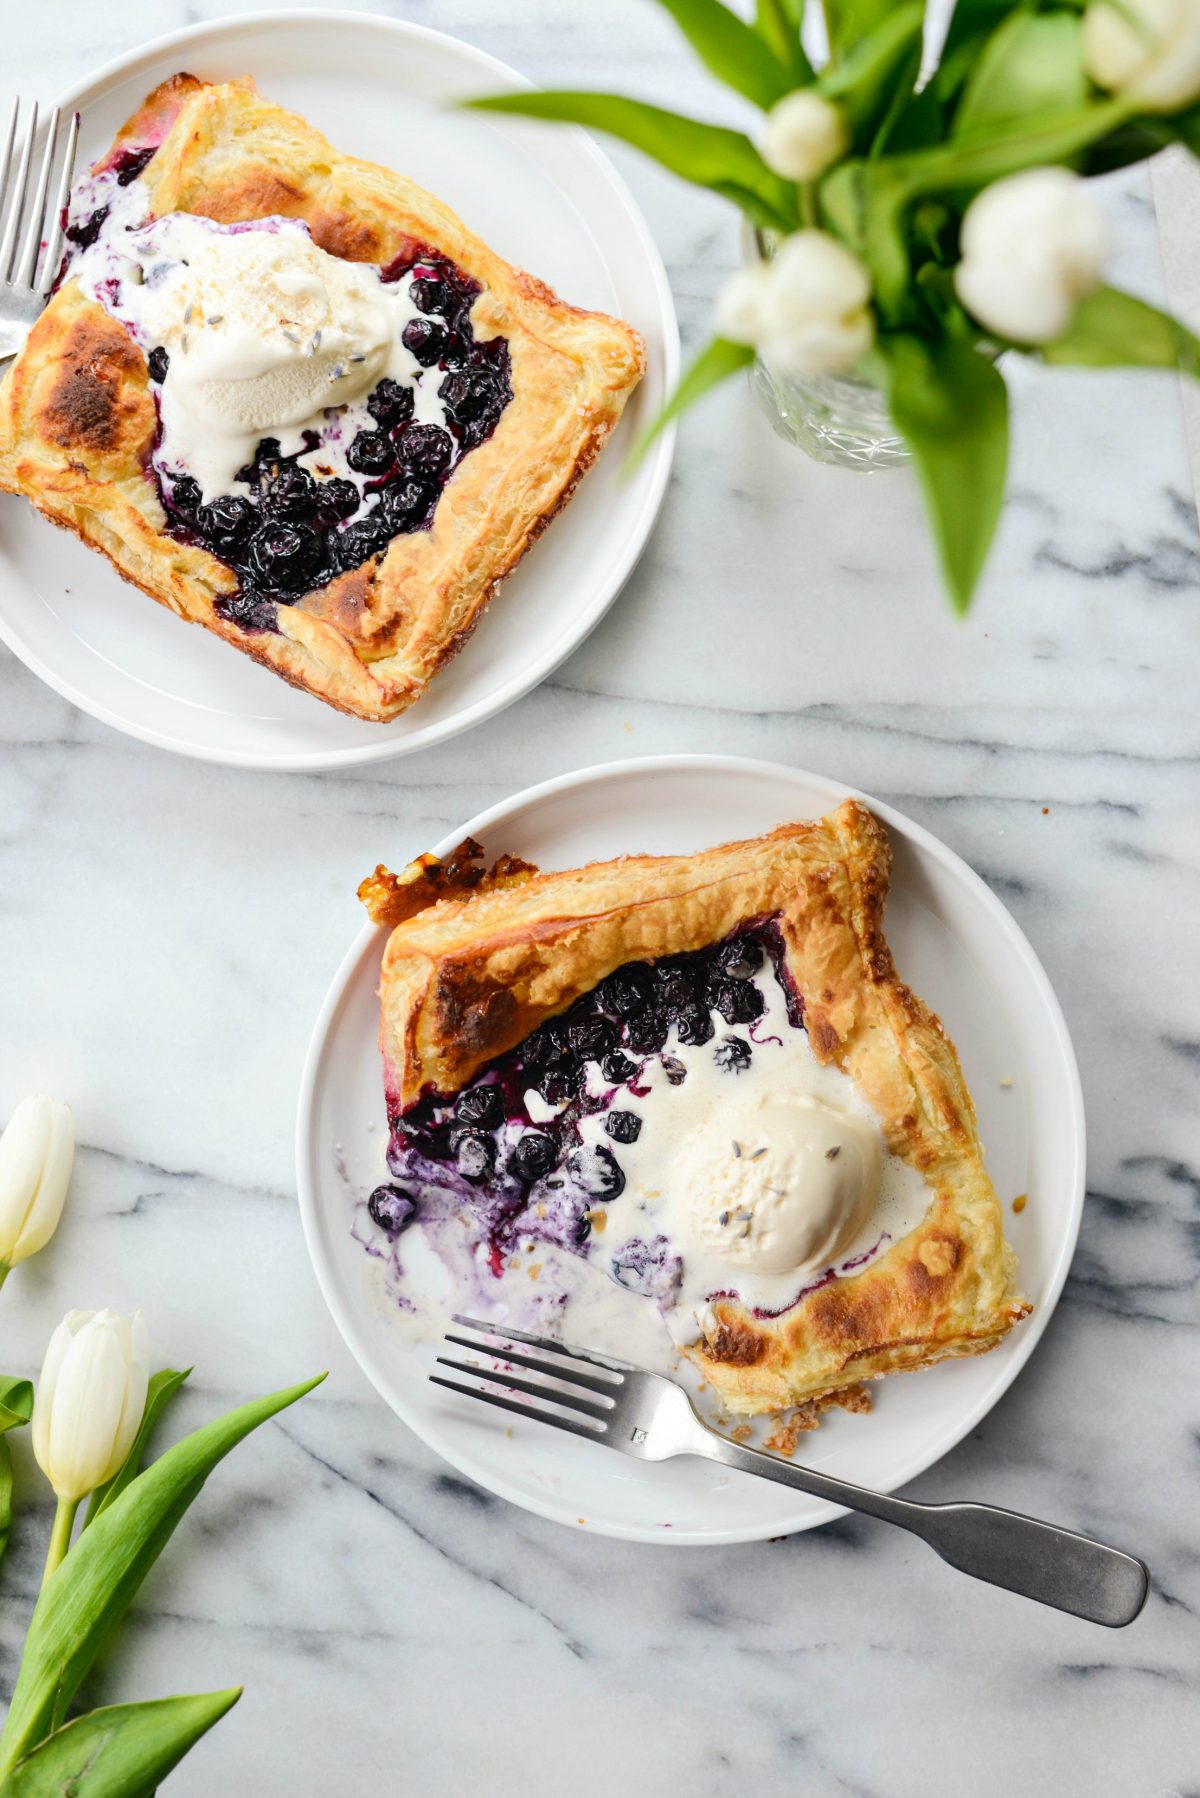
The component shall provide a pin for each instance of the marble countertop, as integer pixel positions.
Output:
(170, 929)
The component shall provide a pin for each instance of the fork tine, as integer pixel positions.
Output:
(6, 164)
(506, 1404)
(555, 1369)
(8, 244)
(569, 1400)
(548, 1342)
(54, 242)
(27, 263)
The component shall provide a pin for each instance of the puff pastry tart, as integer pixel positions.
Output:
(703, 1074)
(294, 399)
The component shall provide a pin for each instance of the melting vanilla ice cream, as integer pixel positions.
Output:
(778, 1182)
(265, 333)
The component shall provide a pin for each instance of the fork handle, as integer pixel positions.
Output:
(1039, 1560)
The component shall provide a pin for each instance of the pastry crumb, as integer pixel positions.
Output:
(1007, 1082)
(1045, 811)
(740, 1432)
(1020, 1202)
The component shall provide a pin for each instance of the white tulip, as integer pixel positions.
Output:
(37, 1151)
(1032, 246)
(89, 1400)
(1146, 50)
(805, 133)
(816, 315)
(741, 303)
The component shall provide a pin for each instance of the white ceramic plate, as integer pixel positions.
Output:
(547, 200)
(959, 948)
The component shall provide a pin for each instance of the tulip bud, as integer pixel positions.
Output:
(805, 133)
(817, 318)
(89, 1400)
(1033, 245)
(1146, 50)
(741, 304)
(37, 1151)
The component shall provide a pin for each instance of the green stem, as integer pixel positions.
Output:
(808, 206)
(5, 1270)
(60, 1535)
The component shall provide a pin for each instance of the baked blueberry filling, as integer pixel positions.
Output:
(509, 1148)
(293, 531)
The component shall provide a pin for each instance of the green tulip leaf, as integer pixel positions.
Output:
(778, 23)
(732, 50)
(848, 22)
(86, 1597)
(121, 1751)
(951, 406)
(1032, 64)
(16, 1408)
(16, 1402)
(1112, 329)
(159, 1393)
(715, 363)
(868, 80)
(709, 155)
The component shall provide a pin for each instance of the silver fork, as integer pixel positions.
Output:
(648, 1416)
(22, 294)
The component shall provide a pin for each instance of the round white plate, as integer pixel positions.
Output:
(548, 201)
(957, 946)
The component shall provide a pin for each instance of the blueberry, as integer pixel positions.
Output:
(674, 1069)
(428, 294)
(626, 992)
(359, 542)
(392, 1208)
(337, 499)
(226, 523)
(424, 341)
(370, 453)
(248, 610)
(623, 1126)
(186, 495)
(424, 1138)
(738, 1001)
(265, 463)
(158, 363)
(468, 396)
(290, 495)
(647, 1032)
(617, 1068)
(732, 1054)
(406, 502)
(592, 1038)
(425, 447)
(542, 1049)
(481, 1106)
(647, 1267)
(695, 1024)
(533, 1156)
(559, 1084)
(676, 990)
(128, 164)
(87, 230)
(740, 957)
(286, 555)
(596, 1171)
(475, 1156)
(391, 404)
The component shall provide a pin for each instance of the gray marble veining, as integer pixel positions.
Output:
(169, 930)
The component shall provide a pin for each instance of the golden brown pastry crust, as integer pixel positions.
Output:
(77, 419)
(467, 978)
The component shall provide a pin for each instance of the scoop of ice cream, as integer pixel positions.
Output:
(779, 1182)
(262, 327)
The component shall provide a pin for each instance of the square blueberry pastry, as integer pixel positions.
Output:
(293, 398)
(702, 1076)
